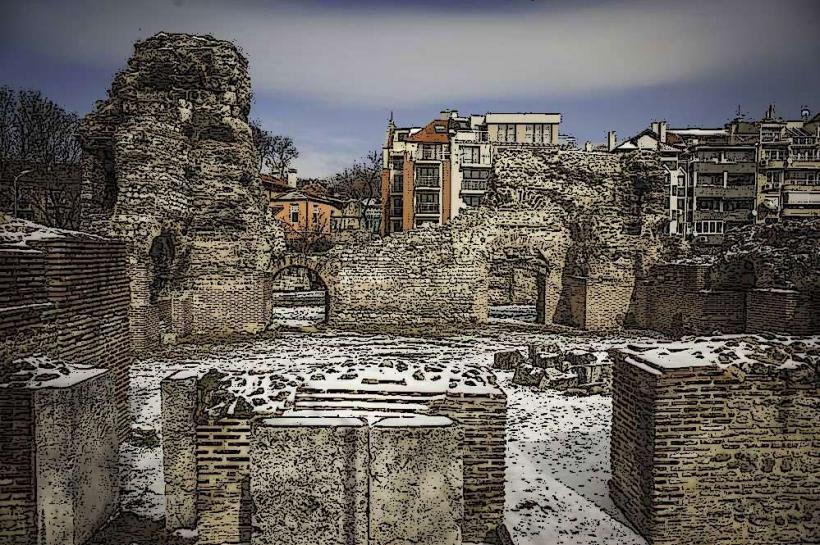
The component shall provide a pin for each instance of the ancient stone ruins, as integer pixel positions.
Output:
(714, 427)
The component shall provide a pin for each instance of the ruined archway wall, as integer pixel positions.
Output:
(573, 211)
(173, 142)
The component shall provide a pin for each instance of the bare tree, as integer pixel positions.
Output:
(362, 182)
(283, 153)
(275, 152)
(38, 144)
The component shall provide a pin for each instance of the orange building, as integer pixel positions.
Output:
(302, 214)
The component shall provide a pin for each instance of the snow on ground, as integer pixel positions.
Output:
(558, 451)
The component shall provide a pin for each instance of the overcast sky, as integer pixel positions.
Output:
(328, 73)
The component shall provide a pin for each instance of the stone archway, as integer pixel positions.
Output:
(312, 264)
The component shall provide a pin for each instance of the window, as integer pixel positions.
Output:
(395, 226)
(316, 215)
(773, 154)
(709, 227)
(476, 173)
(470, 155)
(472, 200)
(398, 162)
(674, 191)
(537, 133)
(738, 204)
(774, 178)
(427, 176)
(396, 206)
(506, 133)
(708, 204)
(294, 213)
(426, 197)
(441, 128)
(398, 183)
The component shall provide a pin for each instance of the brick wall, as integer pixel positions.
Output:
(781, 311)
(483, 420)
(75, 307)
(704, 455)
(17, 481)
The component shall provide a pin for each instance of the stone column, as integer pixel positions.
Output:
(179, 399)
(416, 481)
(309, 481)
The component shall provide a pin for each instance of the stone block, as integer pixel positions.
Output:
(75, 442)
(179, 399)
(507, 360)
(309, 481)
(416, 481)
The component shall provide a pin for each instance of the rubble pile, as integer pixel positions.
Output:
(551, 367)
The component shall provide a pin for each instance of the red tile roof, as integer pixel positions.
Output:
(429, 135)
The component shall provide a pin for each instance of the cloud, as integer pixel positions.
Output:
(400, 55)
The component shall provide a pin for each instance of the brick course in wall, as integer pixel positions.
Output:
(716, 455)
(76, 302)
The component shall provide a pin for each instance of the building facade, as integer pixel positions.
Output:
(745, 172)
(431, 172)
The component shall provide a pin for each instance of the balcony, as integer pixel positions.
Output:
(707, 167)
(428, 181)
(482, 161)
(731, 192)
(431, 154)
(717, 215)
(472, 136)
(474, 185)
(427, 208)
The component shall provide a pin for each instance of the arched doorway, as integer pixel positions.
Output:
(300, 295)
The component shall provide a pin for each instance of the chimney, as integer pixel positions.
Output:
(292, 177)
(805, 113)
(655, 127)
(587, 146)
(662, 126)
(611, 140)
(448, 114)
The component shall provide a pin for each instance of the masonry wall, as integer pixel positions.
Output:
(223, 481)
(782, 311)
(309, 482)
(732, 457)
(18, 507)
(415, 487)
(483, 419)
(67, 297)
(417, 277)
(169, 168)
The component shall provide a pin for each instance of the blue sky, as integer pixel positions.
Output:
(329, 73)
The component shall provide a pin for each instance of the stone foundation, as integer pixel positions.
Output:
(711, 453)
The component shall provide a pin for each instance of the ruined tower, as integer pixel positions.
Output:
(169, 168)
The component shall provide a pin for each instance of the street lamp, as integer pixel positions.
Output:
(23, 173)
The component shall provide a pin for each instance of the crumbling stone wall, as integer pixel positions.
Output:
(765, 278)
(718, 454)
(565, 213)
(169, 169)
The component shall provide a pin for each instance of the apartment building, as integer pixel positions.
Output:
(743, 172)
(671, 150)
(788, 173)
(431, 172)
